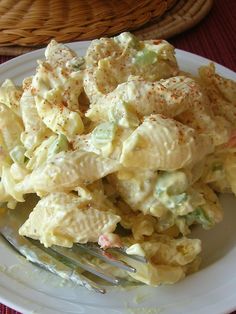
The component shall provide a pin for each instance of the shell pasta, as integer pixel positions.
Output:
(121, 148)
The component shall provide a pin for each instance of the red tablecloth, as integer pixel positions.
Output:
(213, 38)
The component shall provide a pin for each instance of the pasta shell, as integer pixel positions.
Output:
(64, 220)
(164, 144)
(67, 170)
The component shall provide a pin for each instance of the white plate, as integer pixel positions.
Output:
(29, 289)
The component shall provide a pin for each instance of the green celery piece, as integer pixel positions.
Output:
(60, 144)
(128, 39)
(199, 216)
(145, 57)
(17, 154)
(179, 198)
(104, 133)
(173, 183)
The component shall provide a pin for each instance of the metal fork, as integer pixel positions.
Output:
(67, 263)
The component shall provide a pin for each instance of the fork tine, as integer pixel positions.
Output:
(62, 261)
(38, 256)
(74, 256)
(122, 250)
(94, 250)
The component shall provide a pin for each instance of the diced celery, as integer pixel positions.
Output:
(170, 191)
(174, 201)
(145, 57)
(17, 154)
(128, 40)
(76, 63)
(179, 198)
(173, 183)
(158, 191)
(104, 133)
(60, 144)
(199, 216)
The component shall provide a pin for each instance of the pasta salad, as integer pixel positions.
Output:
(122, 148)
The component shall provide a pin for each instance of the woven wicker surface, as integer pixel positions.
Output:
(184, 15)
(180, 15)
(35, 22)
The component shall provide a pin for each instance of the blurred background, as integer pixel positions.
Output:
(204, 27)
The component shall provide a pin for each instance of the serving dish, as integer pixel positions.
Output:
(28, 289)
